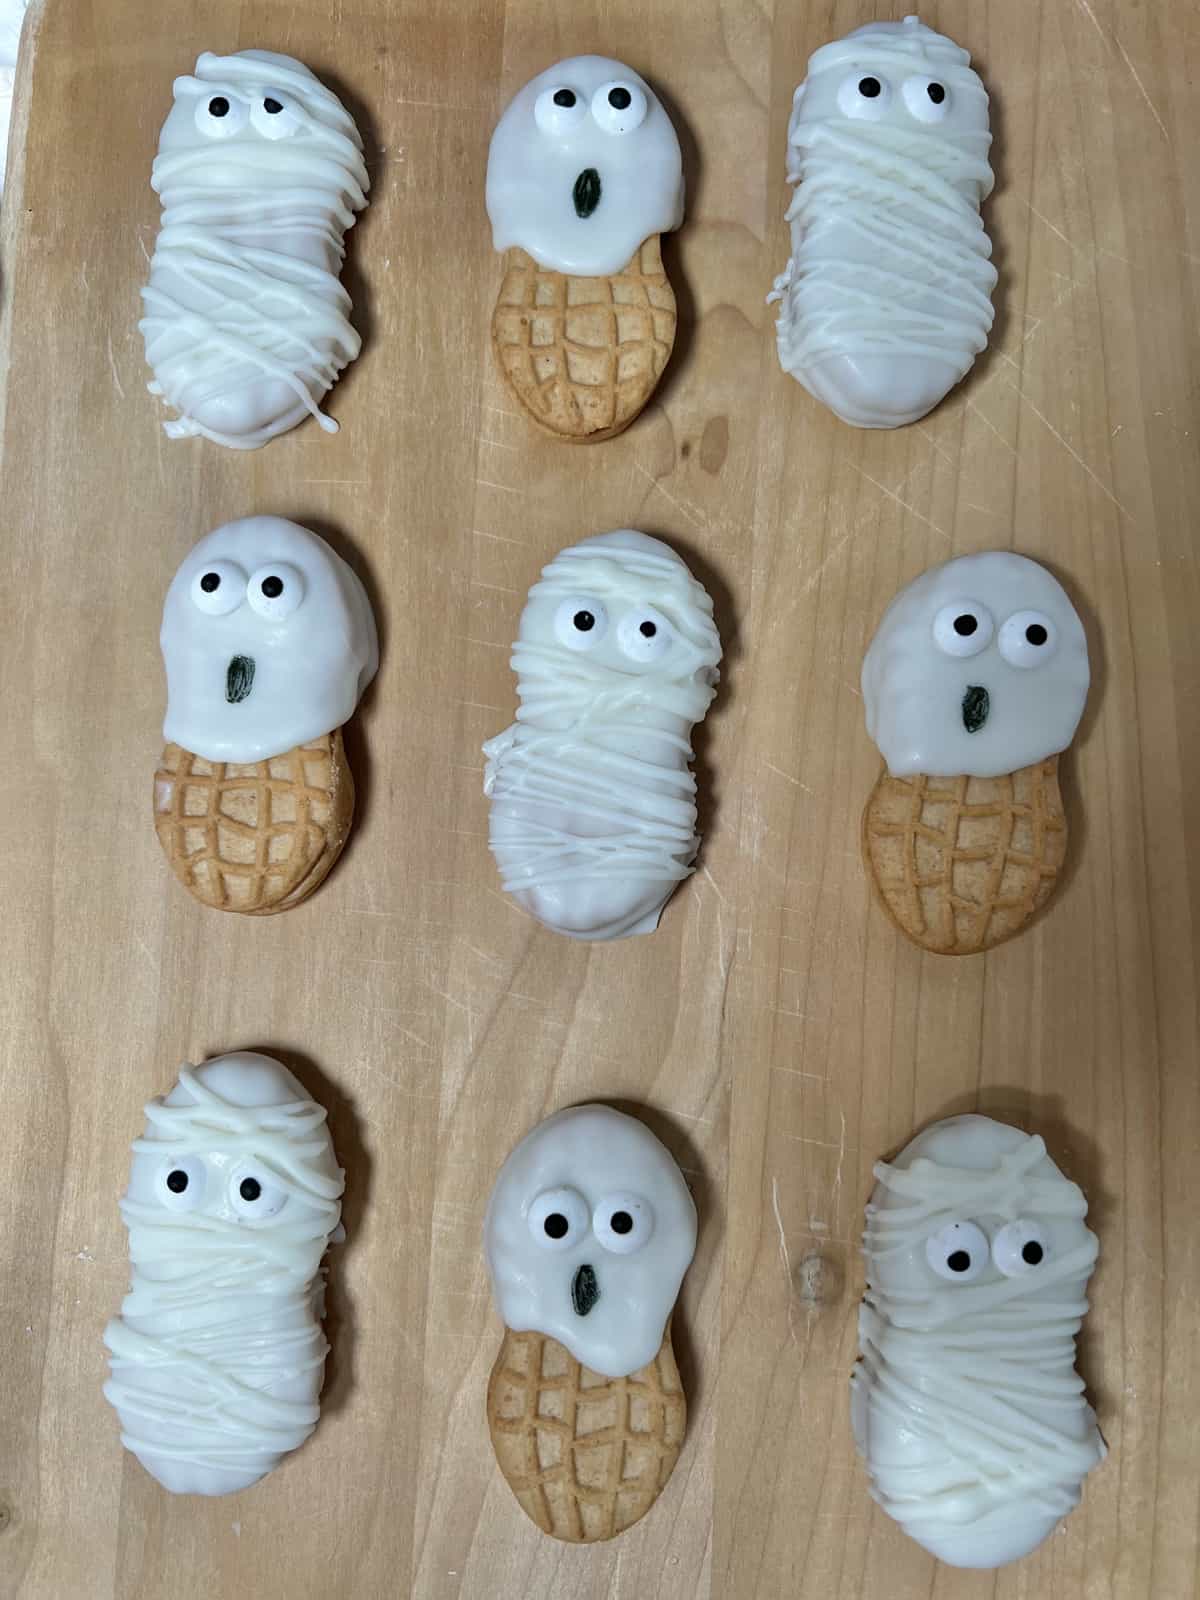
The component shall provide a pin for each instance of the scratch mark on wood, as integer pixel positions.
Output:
(1162, 127)
(112, 364)
(771, 767)
(892, 495)
(678, 504)
(500, 538)
(991, 426)
(784, 1255)
(1074, 454)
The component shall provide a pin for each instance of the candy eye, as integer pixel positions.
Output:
(623, 1223)
(580, 623)
(619, 107)
(645, 635)
(275, 591)
(926, 98)
(220, 116)
(958, 1252)
(218, 588)
(1028, 639)
(181, 1183)
(253, 1195)
(558, 1218)
(963, 628)
(864, 97)
(1019, 1247)
(274, 116)
(557, 111)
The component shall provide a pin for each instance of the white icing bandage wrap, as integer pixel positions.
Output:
(886, 299)
(593, 815)
(979, 666)
(217, 1357)
(589, 1231)
(260, 172)
(966, 1405)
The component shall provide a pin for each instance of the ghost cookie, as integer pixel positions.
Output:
(589, 1231)
(593, 811)
(217, 1357)
(966, 1406)
(269, 641)
(886, 299)
(584, 173)
(973, 684)
(260, 172)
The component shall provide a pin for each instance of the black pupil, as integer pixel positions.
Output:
(1032, 1253)
(177, 1181)
(868, 88)
(555, 1225)
(966, 624)
(1035, 633)
(272, 587)
(621, 1222)
(936, 93)
(584, 621)
(249, 1188)
(647, 630)
(958, 1261)
(564, 98)
(271, 106)
(218, 106)
(210, 582)
(619, 99)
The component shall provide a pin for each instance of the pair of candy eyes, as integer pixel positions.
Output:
(965, 627)
(960, 1251)
(559, 1219)
(183, 1185)
(644, 635)
(274, 592)
(222, 115)
(616, 108)
(866, 97)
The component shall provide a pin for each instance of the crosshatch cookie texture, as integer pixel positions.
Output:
(585, 1455)
(254, 836)
(583, 355)
(963, 863)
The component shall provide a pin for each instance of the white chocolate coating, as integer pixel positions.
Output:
(539, 151)
(593, 814)
(966, 1406)
(309, 661)
(217, 1357)
(886, 299)
(588, 1165)
(915, 692)
(246, 324)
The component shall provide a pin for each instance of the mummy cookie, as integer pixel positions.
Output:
(588, 1234)
(966, 1406)
(593, 812)
(217, 1357)
(972, 686)
(584, 174)
(886, 299)
(260, 172)
(269, 641)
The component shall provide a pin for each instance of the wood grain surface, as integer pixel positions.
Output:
(776, 1031)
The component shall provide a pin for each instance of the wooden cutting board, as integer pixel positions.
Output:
(776, 1032)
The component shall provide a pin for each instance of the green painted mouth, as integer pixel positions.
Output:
(586, 193)
(976, 704)
(585, 1291)
(239, 679)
